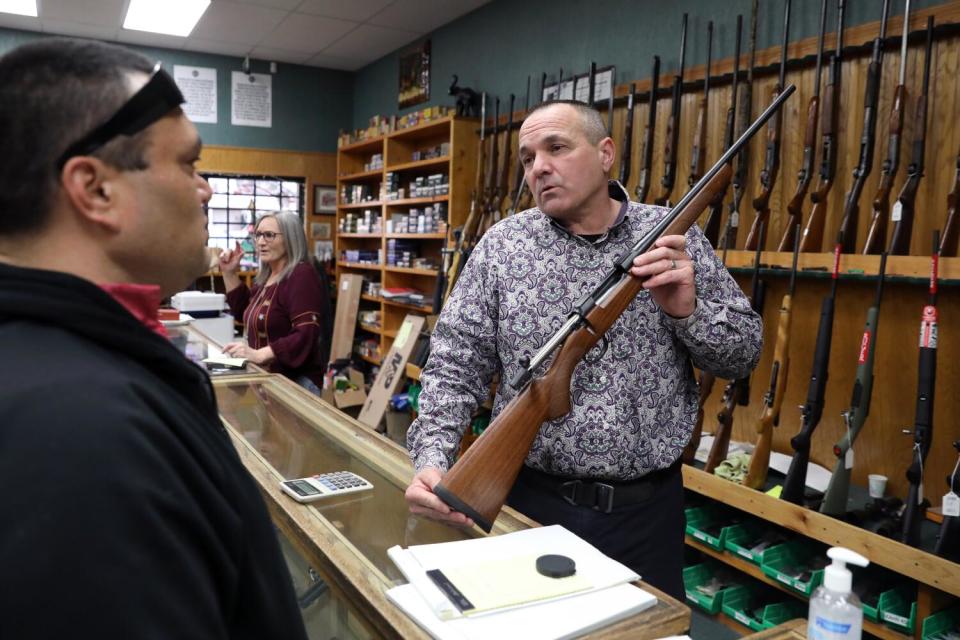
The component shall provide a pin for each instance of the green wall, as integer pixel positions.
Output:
(497, 46)
(310, 105)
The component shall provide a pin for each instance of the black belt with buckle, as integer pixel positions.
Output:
(600, 495)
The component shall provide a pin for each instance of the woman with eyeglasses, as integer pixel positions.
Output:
(286, 315)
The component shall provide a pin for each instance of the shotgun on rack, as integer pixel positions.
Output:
(646, 158)
(503, 177)
(511, 200)
(626, 150)
(699, 152)
(948, 541)
(478, 484)
(838, 490)
(877, 232)
(951, 228)
(673, 126)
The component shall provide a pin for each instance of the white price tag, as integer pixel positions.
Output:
(951, 505)
(734, 218)
(920, 494)
(848, 459)
(897, 212)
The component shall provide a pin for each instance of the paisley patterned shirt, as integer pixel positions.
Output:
(634, 404)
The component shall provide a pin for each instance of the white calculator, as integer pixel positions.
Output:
(324, 485)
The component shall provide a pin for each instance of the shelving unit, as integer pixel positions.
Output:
(398, 150)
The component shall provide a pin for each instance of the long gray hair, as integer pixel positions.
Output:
(294, 242)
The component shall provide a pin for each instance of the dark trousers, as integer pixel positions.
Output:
(647, 536)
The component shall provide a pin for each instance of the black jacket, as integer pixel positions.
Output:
(125, 510)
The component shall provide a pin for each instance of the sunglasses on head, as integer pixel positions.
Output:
(155, 99)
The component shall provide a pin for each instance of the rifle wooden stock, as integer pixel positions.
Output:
(760, 461)
(951, 228)
(795, 206)
(851, 215)
(877, 232)
(669, 161)
(768, 178)
(721, 438)
(478, 484)
(903, 228)
(812, 237)
(706, 382)
(699, 143)
(646, 158)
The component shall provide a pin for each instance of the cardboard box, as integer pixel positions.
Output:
(392, 371)
(348, 397)
(345, 320)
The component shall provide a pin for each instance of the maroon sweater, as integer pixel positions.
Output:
(290, 316)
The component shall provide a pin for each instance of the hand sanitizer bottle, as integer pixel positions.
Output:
(835, 611)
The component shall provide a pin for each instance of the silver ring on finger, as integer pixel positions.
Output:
(673, 264)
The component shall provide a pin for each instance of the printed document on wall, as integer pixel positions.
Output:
(251, 104)
(199, 86)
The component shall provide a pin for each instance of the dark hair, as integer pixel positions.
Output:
(52, 92)
(591, 123)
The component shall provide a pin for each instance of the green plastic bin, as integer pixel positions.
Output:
(736, 599)
(946, 620)
(898, 609)
(700, 574)
(742, 533)
(700, 518)
(797, 552)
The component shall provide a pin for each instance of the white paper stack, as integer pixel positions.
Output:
(601, 595)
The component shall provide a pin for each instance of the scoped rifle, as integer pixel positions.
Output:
(951, 228)
(805, 175)
(465, 238)
(773, 398)
(673, 126)
(812, 410)
(923, 421)
(877, 232)
(646, 158)
(771, 160)
(905, 208)
(700, 135)
(744, 105)
(737, 392)
(948, 542)
(851, 206)
(835, 499)
(812, 238)
(478, 484)
(626, 151)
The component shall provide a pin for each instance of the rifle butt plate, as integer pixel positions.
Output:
(457, 504)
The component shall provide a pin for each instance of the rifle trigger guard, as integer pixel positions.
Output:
(589, 358)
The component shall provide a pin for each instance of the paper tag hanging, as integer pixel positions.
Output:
(848, 459)
(897, 212)
(951, 505)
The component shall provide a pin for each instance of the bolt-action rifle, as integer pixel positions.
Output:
(626, 150)
(511, 200)
(673, 126)
(922, 431)
(904, 211)
(812, 410)
(744, 105)
(835, 499)
(805, 175)
(771, 159)
(948, 541)
(871, 97)
(877, 232)
(698, 155)
(773, 399)
(812, 238)
(478, 484)
(646, 158)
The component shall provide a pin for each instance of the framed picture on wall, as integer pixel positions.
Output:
(415, 75)
(320, 230)
(324, 199)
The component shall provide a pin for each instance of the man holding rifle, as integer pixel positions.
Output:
(609, 470)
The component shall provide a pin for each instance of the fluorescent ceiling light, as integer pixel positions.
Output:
(171, 17)
(19, 7)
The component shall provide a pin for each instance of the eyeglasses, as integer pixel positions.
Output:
(155, 99)
(269, 236)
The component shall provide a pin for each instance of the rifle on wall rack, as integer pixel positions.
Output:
(510, 202)
(673, 126)
(626, 150)
(948, 541)
(923, 421)
(478, 484)
(951, 228)
(773, 399)
(745, 106)
(812, 410)
(835, 499)
(904, 210)
(699, 152)
(646, 158)
(771, 159)
(877, 232)
(812, 238)
(503, 177)
(805, 175)
(737, 392)
(871, 97)
(711, 224)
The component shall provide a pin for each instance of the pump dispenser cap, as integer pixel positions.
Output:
(836, 577)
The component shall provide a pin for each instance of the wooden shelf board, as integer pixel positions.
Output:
(406, 305)
(360, 175)
(369, 144)
(366, 296)
(358, 235)
(431, 127)
(413, 371)
(407, 201)
(359, 265)
(369, 359)
(418, 236)
(420, 164)
(370, 328)
(390, 333)
(850, 264)
(420, 272)
(360, 205)
(921, 566)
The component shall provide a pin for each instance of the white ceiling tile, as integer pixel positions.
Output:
(78, 29)
(359, 10)
(307, 34)
(104, 13)
(423, 16)
(334, 62)
(146, 39)
(370, 42)
(272, 54)
(234, 22)
(26, 23)
(203, 45)
(286, 5)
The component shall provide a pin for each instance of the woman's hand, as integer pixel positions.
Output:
(261, 357)
(230, 261)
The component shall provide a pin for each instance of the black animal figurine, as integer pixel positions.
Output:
(468, 100)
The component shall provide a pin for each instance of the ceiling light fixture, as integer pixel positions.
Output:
(171, 17)
(19, 7)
